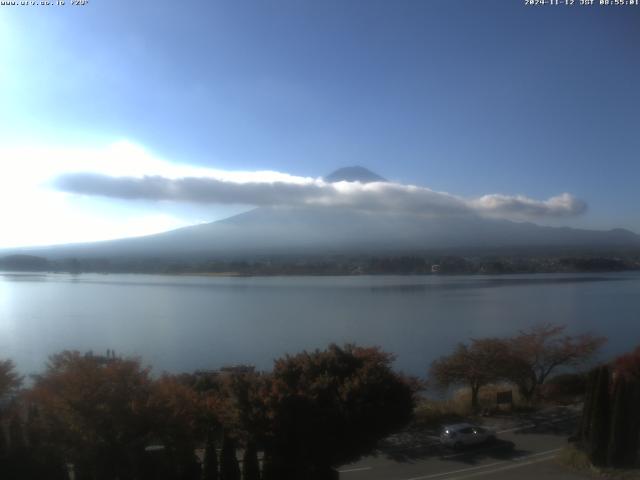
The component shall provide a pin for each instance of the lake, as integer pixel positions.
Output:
(183, 323)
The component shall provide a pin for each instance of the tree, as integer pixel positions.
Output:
(242, 409)
(629, 364)
(10, 381)
(475, 365)
(244, 413)
(174, 411)
(618, 423)
(600, 421)
(272, 468)
(610, 426)
(250, 465)
(95, 409)
(537, 352)
(626, 437)
(210, 466)
(229, 468)
(329, 407)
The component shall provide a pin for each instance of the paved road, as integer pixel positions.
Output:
(523, 452)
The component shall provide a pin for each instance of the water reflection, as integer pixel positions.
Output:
(23, 277)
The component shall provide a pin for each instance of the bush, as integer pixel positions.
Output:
(487, 398)
(564, 388)
(434, 413)
(575, 458)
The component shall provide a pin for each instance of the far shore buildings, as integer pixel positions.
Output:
(226, 371)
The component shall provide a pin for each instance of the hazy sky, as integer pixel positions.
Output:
(506, 107)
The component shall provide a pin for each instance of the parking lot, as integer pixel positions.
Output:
(526, 448)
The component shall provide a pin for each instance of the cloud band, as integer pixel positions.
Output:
(375, 196)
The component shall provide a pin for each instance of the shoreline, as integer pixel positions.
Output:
(232, 274)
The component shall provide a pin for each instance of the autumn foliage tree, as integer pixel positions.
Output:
(175, 411)
(526, 359)
(537, 352)
(242, 409)
(94, 408)
(475, 365)
(329, 407)
(21, 454)
(107, 416)
(629, 365)
(10, 381)
(11, 445)
(244, 415)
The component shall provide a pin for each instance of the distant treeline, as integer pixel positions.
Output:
(334, 264)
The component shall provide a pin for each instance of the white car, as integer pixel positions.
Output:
(462, 434)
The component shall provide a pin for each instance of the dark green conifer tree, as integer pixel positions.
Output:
(584, 430)
(210, 467)
(250, 465)
(4, 452)
(599, 425)
(229, 468)
(632, 418)
(619, 424)
(269, 471)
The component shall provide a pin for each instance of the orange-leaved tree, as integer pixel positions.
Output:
(96, 410)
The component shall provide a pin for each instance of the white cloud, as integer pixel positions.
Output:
(34, 213)
(564, 205)
(299, 191)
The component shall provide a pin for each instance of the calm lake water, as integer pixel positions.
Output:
(182, 323)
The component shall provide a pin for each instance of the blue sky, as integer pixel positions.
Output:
(470, 97)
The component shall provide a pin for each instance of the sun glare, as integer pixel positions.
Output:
(34, 213)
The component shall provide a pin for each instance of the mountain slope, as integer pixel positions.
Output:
(320, 230)
(266, 231)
